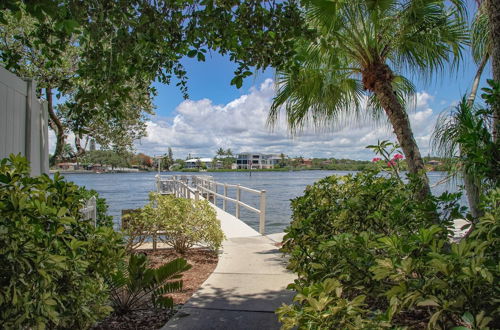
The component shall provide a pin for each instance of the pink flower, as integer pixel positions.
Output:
(391, 163)
(376, 159)
(398, 156)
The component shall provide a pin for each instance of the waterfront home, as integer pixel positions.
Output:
(305, 162)
(257, 160)
(67, 166)
(202, 163)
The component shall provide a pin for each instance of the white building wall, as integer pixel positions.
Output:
(23, 122)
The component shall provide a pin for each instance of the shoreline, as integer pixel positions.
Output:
(210, 171)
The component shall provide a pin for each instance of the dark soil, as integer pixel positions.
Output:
(203, 263)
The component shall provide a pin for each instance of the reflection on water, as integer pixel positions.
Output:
(130, 190)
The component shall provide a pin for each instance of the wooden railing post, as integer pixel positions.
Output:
(225, 196)
(196, 195)
(262, 215)
(214, 190)
(238, 196)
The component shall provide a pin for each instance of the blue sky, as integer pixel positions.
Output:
(219, 115)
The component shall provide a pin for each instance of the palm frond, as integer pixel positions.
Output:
(480, 40)
(431, 41)
(451, 126)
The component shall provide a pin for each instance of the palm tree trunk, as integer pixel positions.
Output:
(477, 79)
(401, 124)
(56, 125)
(493, 10)
(473, 191)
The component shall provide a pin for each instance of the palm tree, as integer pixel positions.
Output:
(220, 152)
(358, 53)
(462, 136)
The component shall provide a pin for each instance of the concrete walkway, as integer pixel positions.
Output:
(245, 289)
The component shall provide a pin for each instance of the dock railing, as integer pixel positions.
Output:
(89, 211)
(208, 187)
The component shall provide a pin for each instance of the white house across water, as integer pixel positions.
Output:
(201, 163)
(257, 160)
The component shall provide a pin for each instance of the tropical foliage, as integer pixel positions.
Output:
(135, 283)
(463, 135)
(104, 56)
(53, 264)
(368, 256)
(359, 51)
(17, 35)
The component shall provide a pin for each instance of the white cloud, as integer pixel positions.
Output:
(200, 127)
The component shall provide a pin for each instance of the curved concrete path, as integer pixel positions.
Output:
(245, 289)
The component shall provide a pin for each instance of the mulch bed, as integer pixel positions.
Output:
(203, 263)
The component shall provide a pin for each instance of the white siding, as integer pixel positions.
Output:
(23, 122)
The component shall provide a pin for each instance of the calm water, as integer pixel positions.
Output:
(130, 190)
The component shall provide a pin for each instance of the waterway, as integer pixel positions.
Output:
(130, 190)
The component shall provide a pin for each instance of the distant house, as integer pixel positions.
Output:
(257, 160)
(67, 166)
(201, 162)
(307, 162)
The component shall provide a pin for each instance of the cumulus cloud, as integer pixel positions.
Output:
(200, 127)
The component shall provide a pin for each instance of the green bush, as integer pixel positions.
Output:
(391, 265)
(52, 264)
(335, 208)
(185, 222)
(179, 222)
(133, 285)
(138, 227)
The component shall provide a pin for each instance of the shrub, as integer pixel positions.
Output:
(337, 208)
(365, 236)
(52, 265)
(133, 285)
(323, 305)
(179, 222)
(185, 222)
(137, 227)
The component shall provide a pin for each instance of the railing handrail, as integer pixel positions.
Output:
(206, 184)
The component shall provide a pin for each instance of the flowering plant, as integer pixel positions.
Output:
(386, 149)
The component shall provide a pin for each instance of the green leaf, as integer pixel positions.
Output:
(237, 81)
(468, 317)
(428, 302)
(62, 211)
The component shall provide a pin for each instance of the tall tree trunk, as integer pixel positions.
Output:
(477, 79)
(56, 125)
(493, 9)
(472, 186)
(400, 122)
(79, 149)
